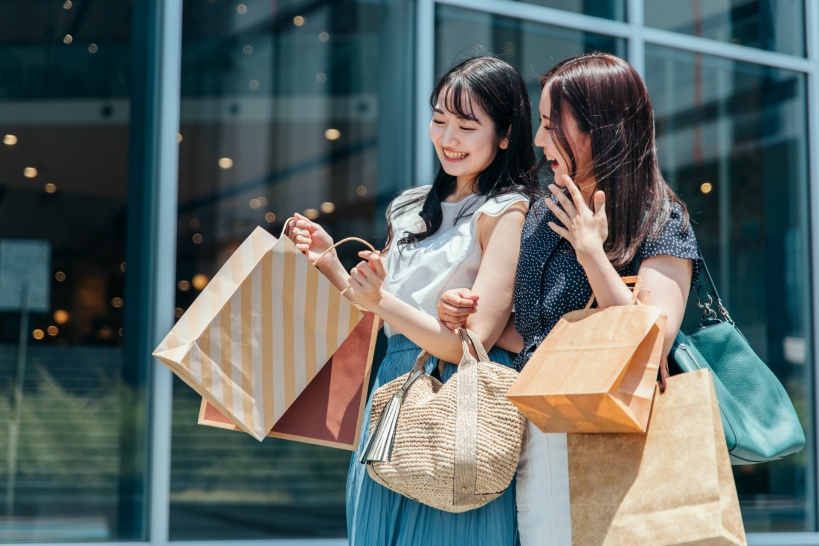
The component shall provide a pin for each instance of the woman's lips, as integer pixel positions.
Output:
(453, 156)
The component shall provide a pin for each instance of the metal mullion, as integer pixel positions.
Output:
(725, 50)
(812, 44)
(424, 82)
(548, 16)
(636, 38)
(170, 70)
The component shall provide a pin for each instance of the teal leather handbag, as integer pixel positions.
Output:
(757, 415)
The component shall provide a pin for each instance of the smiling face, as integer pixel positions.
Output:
(558, 158)
(466, 146)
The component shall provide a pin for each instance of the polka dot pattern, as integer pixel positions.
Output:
(550, 282)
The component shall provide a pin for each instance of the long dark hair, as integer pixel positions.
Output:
(500, 91)
(610, 102)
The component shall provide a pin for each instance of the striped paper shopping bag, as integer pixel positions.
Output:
(259, 332)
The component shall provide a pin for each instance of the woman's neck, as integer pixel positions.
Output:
(464, 187)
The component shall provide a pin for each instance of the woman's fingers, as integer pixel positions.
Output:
(574, 191)
(564, 200)
(558, 212)
(600, 204)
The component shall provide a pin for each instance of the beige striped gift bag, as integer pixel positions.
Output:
(259, 332)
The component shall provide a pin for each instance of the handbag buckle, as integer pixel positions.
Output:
(707, 312)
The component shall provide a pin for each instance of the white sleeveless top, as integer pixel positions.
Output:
(418, 273)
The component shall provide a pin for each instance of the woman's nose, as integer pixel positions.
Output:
(540, 138)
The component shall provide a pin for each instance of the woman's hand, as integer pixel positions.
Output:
(584, 229)
(366, 279)
(455, 306)
(312, 240)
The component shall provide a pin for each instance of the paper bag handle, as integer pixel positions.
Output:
(635, 280)
(286, 231)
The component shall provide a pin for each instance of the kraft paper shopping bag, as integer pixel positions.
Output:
(672, 485)
(259, 332)
(595, 371)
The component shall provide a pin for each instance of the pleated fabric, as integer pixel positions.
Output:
(379, 516)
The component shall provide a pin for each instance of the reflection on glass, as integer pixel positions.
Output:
(287, 107)
(533, 48)
(71, 412)
(609, 9)
(732, 141)
(773, 25)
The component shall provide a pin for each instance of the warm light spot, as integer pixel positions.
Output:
(361, 191)
(332, 134)
(9, 140)
(225, 162)
(117, 302)
(321, 77)
(120, 332)
(241, 9)
(197, 238)
(324, 36)
(200, 281)
(194, 223)
(61, 316)
(122, 267)
(105, 332)
(270, 217)
(68, 4)
(68, 39)
(327, 207)
(30, 172)
(253, 85)
(248, 50)
(179, 137)
(179, 312)
(38, 334)
(262, 200)
(254, 203)
(299, 20)
(50, 188)
(706, 187)
(60, 276)
(183, 285)
(53, 331)
(93, 48)
(311, 214)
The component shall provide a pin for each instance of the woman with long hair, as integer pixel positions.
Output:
(452, 233)
(610, 214)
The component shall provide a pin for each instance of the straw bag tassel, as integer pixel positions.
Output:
(379, 445)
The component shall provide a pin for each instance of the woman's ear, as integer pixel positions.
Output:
(504, 142)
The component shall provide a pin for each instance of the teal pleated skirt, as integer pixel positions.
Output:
(377, 516)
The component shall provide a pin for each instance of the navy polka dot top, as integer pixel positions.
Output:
(551, 282)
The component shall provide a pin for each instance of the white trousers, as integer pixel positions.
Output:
(544, 517)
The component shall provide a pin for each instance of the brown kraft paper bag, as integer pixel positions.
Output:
(595, 371)
(672, 485)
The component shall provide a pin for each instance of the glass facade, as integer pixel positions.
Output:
(312, 107)
(733, 142)
(72, 408)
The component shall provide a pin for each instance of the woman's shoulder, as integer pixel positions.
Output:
(674, 237)
(498, 204)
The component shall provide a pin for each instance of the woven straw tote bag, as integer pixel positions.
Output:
(455, 446)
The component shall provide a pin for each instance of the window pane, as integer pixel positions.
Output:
(609, 9)
(533, 48)
(733, 142)
(286, 107)
(72, 414)
(773, 25)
